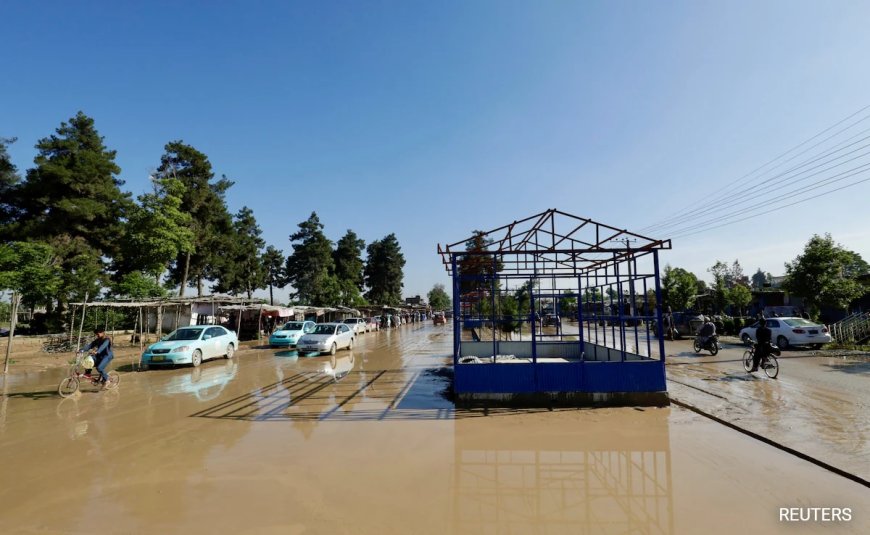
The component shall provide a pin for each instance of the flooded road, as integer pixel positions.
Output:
(367, 442)
(819, 404)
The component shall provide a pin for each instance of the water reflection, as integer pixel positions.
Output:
(205, 382)
(544, 480)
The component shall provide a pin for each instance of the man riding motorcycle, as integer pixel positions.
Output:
(707, 330)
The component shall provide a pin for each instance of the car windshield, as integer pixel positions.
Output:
(185, 334)
(293, 326)
(324, 329)
(353, 320)
(799, 322)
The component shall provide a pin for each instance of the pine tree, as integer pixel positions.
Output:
(239, 269)
(349, 268)
(310, 267)
(9, 180)
(273, 263)
(383, 271)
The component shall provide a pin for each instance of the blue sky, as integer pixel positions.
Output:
(432, 119)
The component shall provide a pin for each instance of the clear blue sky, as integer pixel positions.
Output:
(432, 119)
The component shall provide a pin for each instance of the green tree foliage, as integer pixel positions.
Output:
(721, 278)
(739, 296)
(438, 298)
(73, 189)
(273, 262)
(509, 314)
(72, 200)
(349, 268)
(384, 271)
(32, 269)
(760, 279)
(477, 265)
(678, 287)
(240, 269)
(137, 285)
(568, 304)
(823, 275)
(9, 180)
(204, 200)
(310, 267)
(158, 230)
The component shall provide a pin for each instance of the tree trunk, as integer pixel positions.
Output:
(271, 298)
(199, 286)
(184, 276)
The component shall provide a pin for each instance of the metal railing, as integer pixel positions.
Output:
(854, 328)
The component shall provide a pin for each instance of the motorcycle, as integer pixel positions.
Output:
(711, 344)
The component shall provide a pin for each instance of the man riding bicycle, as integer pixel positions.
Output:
(762, 343)
(101, 349)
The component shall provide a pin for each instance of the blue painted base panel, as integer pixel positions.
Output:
(593, 377)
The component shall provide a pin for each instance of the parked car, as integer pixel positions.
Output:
(327, 338)
(551, 320)
(191, 345)
(439, 318)
(374, 323)
(289, 333)
(357, 324)
(787, 332)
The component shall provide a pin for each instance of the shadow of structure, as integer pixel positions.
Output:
(543, 482)
(358, 395)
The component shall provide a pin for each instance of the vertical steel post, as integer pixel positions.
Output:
(492, 314)
(580, 318)
(457, 325)
(620, 304)
(659, 309)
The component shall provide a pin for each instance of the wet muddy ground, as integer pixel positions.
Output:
(367, 442)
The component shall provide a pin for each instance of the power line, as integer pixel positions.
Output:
(693, 208)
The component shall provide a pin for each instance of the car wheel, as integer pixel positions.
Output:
(196, 360)
(333, 349)
(230, 351)
(350, 344)
(746, 339)
(144, 368)
(817, 346)
(782, 342)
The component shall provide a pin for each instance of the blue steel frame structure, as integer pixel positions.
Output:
(606, 278)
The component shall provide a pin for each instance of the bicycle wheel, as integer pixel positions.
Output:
(747, 359)
(771, 367)
(68, 387)
(114, 380)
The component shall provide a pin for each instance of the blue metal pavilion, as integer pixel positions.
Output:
(556, 308)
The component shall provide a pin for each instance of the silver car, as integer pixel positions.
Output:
(358, 325)
(327, 338)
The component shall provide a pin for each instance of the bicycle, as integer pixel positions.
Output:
(768, 363)
(58, 344)
(71, 383)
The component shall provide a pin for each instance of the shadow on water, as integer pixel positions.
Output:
(291, 353)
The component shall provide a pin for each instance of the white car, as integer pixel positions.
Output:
(326, 338)
(358, 325)
(790, 332)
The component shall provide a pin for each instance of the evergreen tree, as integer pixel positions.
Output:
(72, 200)
(9, 180)
(760, 279)
(273, 264)
(240, 269)
(349, 268)
(383, 271)
(204, 200)
(310, 267)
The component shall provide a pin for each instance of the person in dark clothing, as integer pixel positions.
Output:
(101, 349)
(708, 329)
(762, 340)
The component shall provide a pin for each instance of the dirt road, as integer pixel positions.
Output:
(274, 442)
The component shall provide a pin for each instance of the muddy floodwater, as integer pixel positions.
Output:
(368, 442)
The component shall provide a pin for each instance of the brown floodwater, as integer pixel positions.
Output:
(368, 442)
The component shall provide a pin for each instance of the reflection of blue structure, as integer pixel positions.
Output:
(602, 282)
